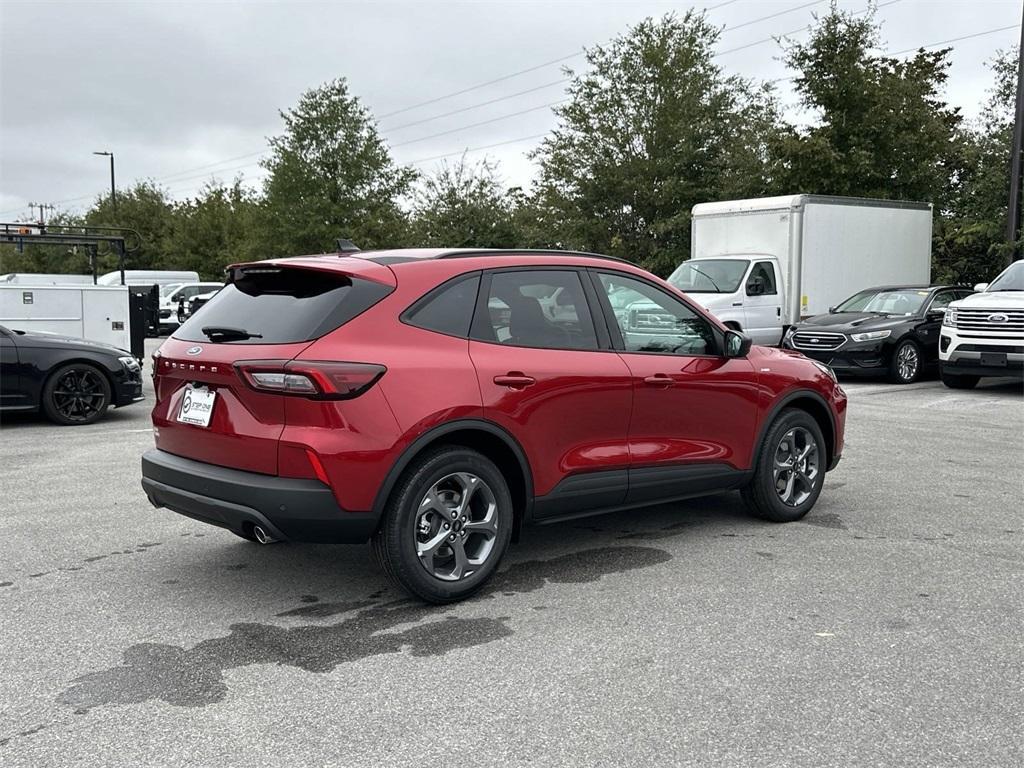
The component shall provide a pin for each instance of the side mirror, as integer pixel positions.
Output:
(831, 310)
(980, 287)
(736, 344)
(935, 314)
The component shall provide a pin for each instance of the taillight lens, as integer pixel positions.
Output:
(319, 380)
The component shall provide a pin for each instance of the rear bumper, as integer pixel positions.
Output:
(289, 509)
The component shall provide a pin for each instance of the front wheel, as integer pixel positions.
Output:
(955, 381)
(906, 364)
(78, 393)
(446, 526)
(790, 469)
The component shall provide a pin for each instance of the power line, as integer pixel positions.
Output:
(477, 125)
(772, 16)
(773, 38)
(481, 104)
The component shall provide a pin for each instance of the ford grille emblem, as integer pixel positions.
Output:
(999, 317)
(193, 350)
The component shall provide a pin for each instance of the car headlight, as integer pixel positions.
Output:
(826, 370)
(130, 363)
(949, 318)
(870, 335)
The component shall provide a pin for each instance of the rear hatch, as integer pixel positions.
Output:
(266, 315)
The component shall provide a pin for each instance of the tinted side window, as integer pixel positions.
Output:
(545, 309)
(762, 280)
(651, 320)
(448, 309)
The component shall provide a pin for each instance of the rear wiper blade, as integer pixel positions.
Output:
(221, 332)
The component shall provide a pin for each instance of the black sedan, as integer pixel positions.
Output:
(892, 331)
(73, 381)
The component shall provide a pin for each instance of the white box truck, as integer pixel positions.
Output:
(96, 313)
(760, 265)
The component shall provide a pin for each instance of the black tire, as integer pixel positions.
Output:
(761, 495)
(396, 542)
(957, 381)
(906, 363)
(76, 394)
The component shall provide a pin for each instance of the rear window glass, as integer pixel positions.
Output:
(280, 306)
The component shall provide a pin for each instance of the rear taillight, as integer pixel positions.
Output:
(318, 380)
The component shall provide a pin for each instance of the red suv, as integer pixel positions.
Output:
(434, 402)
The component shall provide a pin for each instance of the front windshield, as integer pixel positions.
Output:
(904, 301)
(709, 275)
(167, 290)
(1011, 279)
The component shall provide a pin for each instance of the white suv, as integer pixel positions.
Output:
(983, 335)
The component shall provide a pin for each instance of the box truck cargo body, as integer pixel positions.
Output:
(96, 313)
(760, 265)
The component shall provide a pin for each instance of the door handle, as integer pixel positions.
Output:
(737, 303)
(659, 380)
(515, 380)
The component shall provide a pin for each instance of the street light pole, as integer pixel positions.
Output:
(113, 189)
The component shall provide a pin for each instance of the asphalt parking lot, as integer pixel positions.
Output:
(884, 629)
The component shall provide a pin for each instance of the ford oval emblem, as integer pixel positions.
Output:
(193, 350)
(998, 317)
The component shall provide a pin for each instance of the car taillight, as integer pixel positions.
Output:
(318, 380)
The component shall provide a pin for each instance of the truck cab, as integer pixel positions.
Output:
(744, 291)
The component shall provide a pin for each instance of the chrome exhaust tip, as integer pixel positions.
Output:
(261, 535)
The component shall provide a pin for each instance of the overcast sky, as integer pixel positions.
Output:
(173, 88)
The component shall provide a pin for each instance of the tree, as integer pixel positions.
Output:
(464, 206)
(215, 229)
(651, 129)
(330, 176)
(970, 237)
(881, 128)
(145, 208)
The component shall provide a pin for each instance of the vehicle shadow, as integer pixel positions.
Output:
(130, 415)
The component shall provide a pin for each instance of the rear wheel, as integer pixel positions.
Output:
(790, 469)
(905, 367)
(954, 381)
(77, 393)
(446, 526)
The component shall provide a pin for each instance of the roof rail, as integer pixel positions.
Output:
(469, 253)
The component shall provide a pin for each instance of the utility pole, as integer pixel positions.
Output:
(1016, 158)
(42, 208)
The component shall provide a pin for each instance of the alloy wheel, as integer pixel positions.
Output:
(456, 526)
(907, 362)
(797, 465)
(79, 394)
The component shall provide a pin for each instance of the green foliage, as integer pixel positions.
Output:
(215, 229)
(881, 128)
(145, 208)
(331, 176)
(651, 129)
(464, 206)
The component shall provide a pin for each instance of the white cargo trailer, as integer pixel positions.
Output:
(96, 313)
(762, 264)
